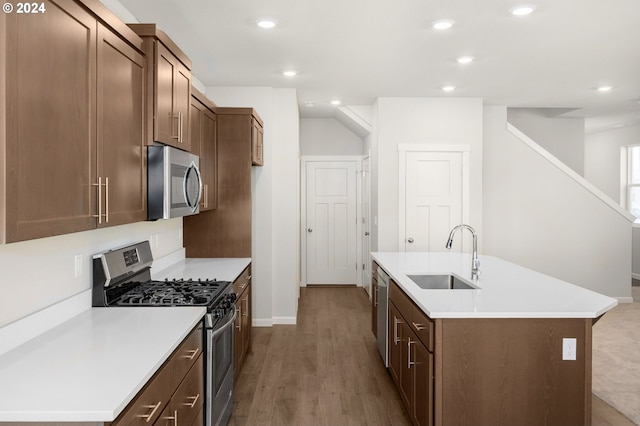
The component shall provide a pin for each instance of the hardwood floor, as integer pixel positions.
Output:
(326, 370)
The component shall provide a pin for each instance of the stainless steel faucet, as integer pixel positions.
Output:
(475, 263)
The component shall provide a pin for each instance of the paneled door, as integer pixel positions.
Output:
(331, 222)
(434, 199)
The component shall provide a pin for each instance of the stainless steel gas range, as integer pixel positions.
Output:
(122, 277)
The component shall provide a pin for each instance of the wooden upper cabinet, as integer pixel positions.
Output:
(57, 67)
(204, 144)
(169, 88)
(257, 136)
(121, 144)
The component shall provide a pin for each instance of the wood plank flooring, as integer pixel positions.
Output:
(326, 370)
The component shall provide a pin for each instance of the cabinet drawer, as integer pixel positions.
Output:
(422, 326)
(189, 398)
(150, 402)
(400, 299)
(241, 283)
(185, 356)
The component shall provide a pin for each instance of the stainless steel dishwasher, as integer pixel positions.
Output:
(383, 300)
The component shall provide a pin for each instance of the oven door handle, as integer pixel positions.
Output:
(223, 327)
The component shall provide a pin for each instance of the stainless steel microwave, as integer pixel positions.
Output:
(174, 186)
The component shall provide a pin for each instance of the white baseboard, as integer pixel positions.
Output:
(624, 299)
(270, 322)
(262, 322)
(284, 320)
(636, 276)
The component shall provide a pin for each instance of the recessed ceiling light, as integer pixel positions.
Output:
(443, 24)
(336, 102)
(604, 88)
(465, 59)
(522, 10)
(290, 73)
(266, 23)
(448, 88)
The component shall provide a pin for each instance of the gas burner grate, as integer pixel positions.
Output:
(173, 293)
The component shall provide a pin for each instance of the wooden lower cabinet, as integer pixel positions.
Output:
(175, 394)
(410, 365)
(242, 333)
(488, 371)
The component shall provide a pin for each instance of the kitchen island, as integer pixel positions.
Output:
(514, 350)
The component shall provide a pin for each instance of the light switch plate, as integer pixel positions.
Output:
(78, 265)
(569, 349)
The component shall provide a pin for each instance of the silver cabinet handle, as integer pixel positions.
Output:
(193, 402)
(366, 234)
(410, 240)
(106, 200)
(409, 362)
(309, 230)
(419, 327)
(99, 185)
(174, 418)
(192, 353)
(396, 321)
(154, 407)
(177, 136)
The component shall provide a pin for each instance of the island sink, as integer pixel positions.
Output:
(440, 282)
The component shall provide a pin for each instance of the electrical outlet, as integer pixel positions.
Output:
(569, 349)
(78, 265)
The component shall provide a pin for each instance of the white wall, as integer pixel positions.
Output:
(327, 136)
(562, 137)
(602, 168)
(539, 217)
(40, 273)
(602, 157)
(274, 250)
(421, 121)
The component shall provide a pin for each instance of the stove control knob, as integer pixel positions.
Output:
(232, 297)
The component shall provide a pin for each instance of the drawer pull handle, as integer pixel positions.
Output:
(191, 354)
(174, 418)
(409, 362)
(149, 416)
(419, 327)
(396, 321)
(192, 403)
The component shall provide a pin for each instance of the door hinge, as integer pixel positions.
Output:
(356, 266)
(363, 266)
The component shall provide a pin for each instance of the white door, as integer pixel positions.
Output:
(366, 226)
(433, 203)
(331, 222)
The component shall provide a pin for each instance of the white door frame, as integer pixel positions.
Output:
(365, 257)
(304, 159)
(465, 150)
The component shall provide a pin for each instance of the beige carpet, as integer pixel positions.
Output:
(616, 358)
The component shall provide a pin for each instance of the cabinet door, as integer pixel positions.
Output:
(395, 343)
(182, 104)
(422, 412)
(121, 152)
(246, 322)
(50, 121)
(209, 160)
(165, 123)
(407, 365)
(195, 125)
(237, 337)
(257, 136)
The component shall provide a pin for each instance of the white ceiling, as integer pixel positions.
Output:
(359, 50)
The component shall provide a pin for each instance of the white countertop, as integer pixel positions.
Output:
(222, 269)
(506, 290)
(91, 366)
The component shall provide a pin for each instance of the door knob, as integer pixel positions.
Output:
(366, 234)
(410, 240)
(309, 230)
